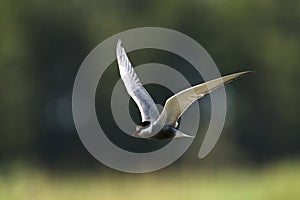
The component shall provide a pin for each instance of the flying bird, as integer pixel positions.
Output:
(163, 126)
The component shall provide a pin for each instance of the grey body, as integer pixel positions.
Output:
(167, 132)
(163, 126)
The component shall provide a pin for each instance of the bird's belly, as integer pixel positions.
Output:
(164, 134)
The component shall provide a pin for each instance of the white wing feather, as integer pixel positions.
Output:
(134, 87)
(177, 104)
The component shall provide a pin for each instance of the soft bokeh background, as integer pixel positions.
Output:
(42, 44)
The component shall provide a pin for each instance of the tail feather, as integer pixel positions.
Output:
(179, 134)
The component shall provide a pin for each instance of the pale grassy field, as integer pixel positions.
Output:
(276, 182)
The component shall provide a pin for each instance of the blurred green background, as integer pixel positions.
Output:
(43, 43)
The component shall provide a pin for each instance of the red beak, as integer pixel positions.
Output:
(136, 133)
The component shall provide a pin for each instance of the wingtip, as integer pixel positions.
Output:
(248, 71)
(119, 43)
(119, 48)
(245, 72)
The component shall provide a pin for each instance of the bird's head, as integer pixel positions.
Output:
(140, 127)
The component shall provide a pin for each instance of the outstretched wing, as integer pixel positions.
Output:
(134, 87)
(177, 104)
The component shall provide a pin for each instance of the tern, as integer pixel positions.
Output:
(163, 126)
